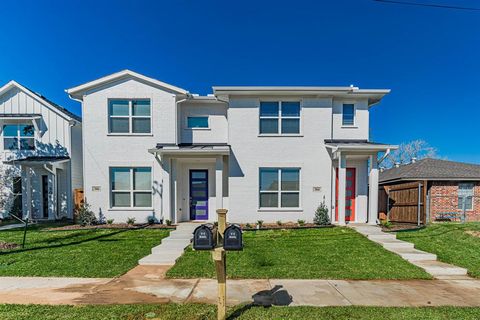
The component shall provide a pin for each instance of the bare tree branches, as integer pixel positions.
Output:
(408, 152)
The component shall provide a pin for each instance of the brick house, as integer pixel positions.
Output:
(452, 187)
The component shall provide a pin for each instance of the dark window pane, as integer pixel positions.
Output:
(268, 200)
(27, 144)
(290, 200)
(17, 185)
(142, 199)
(142, 179)
(141, 125)
(290, 125)
(268, 109)
(199, 174)
(121, 199)
(118, 108)
(141, 107)
(291, 109)
(348, 114)
(10, 143)
(268, 125)
(10, 130)
(26, 130)
(290, 179)
(119, 125)
(120, 178)
(268, 179)
(197, 122)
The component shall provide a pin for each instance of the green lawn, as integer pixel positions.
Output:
(79, 253)
(450, 242)
(202, 311)
(328, 253)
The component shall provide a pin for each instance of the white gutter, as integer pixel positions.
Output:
(384, 156)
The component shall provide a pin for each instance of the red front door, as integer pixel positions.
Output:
(350, 184)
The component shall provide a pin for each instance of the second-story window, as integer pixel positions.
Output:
(348, 115)
(279, 117)
(197, 122)
(129, 116)
(18, 137)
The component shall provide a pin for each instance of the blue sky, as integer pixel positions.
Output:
(429, 57)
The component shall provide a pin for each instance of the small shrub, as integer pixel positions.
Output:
(85, 216)
(168, 222)
(260, 223)
(279, 223)
(131, 221)
(248, 226)
(386, 223)
(301, 222)
(321, 215)
(151, 220)
(110, 221)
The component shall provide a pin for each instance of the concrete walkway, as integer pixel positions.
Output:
(146, 284)
(422, 259)
(11, 226)
(172, 247)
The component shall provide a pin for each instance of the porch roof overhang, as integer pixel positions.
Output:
(20, 116)
(37, 160)
(191, 149)
(358, 147)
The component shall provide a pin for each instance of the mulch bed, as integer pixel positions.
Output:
(400, 227)
(111, 226)
(8, 245)
(286, 225)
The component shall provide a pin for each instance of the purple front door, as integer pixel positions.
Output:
(198, 194)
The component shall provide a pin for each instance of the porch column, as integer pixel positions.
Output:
(219, 181)
(342, 168)
(28, 191)
(373, 190)
(173, 190)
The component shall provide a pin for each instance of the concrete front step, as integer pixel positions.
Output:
(396, 244)
(165, 248)
(157, 260)
(180, 235)
(440, 269)
(382, 236)
(414, 256)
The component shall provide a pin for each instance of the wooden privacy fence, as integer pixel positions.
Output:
(78, 197)
(404, 202)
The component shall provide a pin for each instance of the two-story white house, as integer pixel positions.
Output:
(41, 155)
(263, 153)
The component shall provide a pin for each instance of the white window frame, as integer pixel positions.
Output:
(279, 117)
(279, 191)
(18, 136)
(197, 116)
(130, 117)
(131, 191)
(354, 124)
(471, 194)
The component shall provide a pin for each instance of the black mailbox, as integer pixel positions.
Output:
(203, 238)
(232, 239)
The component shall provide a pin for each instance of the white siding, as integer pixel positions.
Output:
(360, 129)
(217, 118)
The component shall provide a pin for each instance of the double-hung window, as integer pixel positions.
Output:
(279, 187)
(279, 117)
(465, 195)
(129, 116)
(18, 137)
(131, 187)
(348, 114)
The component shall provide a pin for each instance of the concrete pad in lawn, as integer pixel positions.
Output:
(311, 292)
(238, 291)
(176, 290)
(400, 293)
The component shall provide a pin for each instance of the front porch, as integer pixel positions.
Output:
(194, 181)
(355, 183)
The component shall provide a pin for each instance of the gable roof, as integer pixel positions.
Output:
(37, 96)
(78, 91)
(431, 169)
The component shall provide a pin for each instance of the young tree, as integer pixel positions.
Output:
(408, 151)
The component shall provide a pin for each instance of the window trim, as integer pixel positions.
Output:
(130, 117)
(279, 191)
(186, 127)
(354, 124)
(19, 137)
(131, 191)
(279, 117)
(472, 195)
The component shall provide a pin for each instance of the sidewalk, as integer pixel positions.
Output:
(146, 284)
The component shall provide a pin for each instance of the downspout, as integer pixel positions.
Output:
(176, 115)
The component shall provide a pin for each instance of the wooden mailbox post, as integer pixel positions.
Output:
(218, 255)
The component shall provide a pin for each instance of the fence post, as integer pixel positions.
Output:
(419, 203)
(427, 209)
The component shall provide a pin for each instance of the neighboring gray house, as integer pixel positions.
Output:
(41, 152)
(264, 153)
